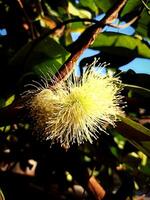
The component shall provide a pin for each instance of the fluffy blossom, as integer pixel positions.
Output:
(73, 111)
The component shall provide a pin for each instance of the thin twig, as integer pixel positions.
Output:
(28, 19)
(77, 20)
(41, 12)
(64, 23)
(126, 24)
(146, 6)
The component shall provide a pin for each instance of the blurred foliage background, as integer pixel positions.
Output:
(36, 37)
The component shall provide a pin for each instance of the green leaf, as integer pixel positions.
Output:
(77, 27)
(137, 134)
(2, 102)
(43, 55)
(37, 56)
(143, 25)
(145, 169)
(120, 44)
(105, 5)
(9, 100)
(130, 6)
(90, 4)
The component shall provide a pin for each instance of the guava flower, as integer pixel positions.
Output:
(78, 110)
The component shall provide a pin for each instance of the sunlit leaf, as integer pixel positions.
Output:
(145, 169)
(120, 44)
(9, 100)
(78, 12)
(77, 27)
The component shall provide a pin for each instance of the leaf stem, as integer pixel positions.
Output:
(28, 20)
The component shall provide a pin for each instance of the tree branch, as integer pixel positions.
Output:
(77, 48)
(86, 39)
(96, 188)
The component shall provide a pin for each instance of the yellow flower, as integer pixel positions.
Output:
(74, 111)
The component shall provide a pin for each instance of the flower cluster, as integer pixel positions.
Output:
(73, 111)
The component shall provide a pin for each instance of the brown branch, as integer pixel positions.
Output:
(140, 197)
(86, 39)
(64, 23)
(144, 121)
(96, 188)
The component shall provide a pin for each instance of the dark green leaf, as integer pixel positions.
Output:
(114, 60)
(139, 90)
(36, 57)
(2, 102)
(137, 134)
(130, 6)
(105, 5)
(138, 79)
(143, 26)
